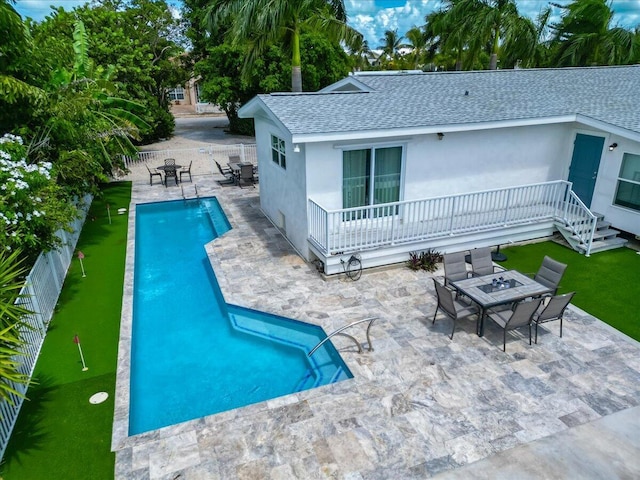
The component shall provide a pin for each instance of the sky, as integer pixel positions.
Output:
(373, 17)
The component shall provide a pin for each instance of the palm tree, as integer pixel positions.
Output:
(584, 36)
(442, 34)
(261, 23)
(360, 53)
(391, 43)
(495, 23)
(417, 41)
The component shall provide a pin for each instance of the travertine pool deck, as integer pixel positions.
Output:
(419, 405)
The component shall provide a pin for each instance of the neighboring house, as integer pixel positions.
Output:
(189, 95)
(384, 163)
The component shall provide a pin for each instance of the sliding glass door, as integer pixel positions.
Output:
(371, 177)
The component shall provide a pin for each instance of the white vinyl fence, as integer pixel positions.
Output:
(40, 295)
(203, 158)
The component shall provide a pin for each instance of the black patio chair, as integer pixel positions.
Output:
(169, 162)
(153, 173)
(450, 306)
(186, 171)
(170, 173)
(553, 310)
(520, 316)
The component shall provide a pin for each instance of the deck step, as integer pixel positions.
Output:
(603, 245)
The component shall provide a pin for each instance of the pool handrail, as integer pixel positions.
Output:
(339, 332)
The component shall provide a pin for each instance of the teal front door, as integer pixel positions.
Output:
(585, 162)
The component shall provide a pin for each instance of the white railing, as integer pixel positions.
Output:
(205, 154)
(352, 229)
(579, 218)
(39, 295)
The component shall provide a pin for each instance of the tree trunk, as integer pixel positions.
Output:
(296, 79)
(493, 61)
(296, 70)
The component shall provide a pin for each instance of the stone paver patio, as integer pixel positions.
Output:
(420, 404)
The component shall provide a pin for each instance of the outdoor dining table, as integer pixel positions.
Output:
(501, 288)
(236, 168)
(168, 167)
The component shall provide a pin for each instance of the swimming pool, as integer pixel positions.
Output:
(192, 354)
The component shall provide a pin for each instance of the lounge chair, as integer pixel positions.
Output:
(554, 310)
(520, 316)
(482, 263)
(450, 306)
(153, 173)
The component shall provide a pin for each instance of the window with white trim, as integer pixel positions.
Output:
(628, 189)
(176, 93)
(278, 151)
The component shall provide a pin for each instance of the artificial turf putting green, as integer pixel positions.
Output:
(59, 434)
(606, 283)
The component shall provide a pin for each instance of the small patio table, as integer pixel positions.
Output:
(498, 289)
(236, 168)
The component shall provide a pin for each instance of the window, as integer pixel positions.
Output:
(278, 151)
(371, 177)
(628, 190)
(176, 93)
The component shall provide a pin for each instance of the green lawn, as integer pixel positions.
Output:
(59, 434)
(607, 284)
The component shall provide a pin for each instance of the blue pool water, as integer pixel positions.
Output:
(192, 354)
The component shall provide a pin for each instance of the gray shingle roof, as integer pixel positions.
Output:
(606, 94)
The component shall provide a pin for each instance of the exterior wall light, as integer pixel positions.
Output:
(440, 135)
(612, 147)
(296, 148)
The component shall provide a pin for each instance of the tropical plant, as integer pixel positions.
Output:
(427, 260)
(417, 41)
(584, 36)
(478, 25)
(391, 43)
(444, 37)
(260, 24)
(11, 323)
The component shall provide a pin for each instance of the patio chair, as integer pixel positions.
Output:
(153, 173)
(170, 173)
(553, 310)
(246, 175)
(226, 173)
(186, 171)
(169, 162)
(450, 306)
(482, 263)
(235, 159)
(520, 316)
(550, 273)
(455, 267)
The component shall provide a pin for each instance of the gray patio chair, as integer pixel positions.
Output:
(450, 306)
(235, 159)
(553, 310)
(482, 263)
(153, 173)
(246, 175)
(520, 316)
(226, 173)
(550, 273)
(455, 267)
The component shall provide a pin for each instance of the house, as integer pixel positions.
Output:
(188, 96)
(380, 164)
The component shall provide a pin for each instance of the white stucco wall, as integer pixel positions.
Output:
(460, 162)
(605, 190)
(283, 196)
